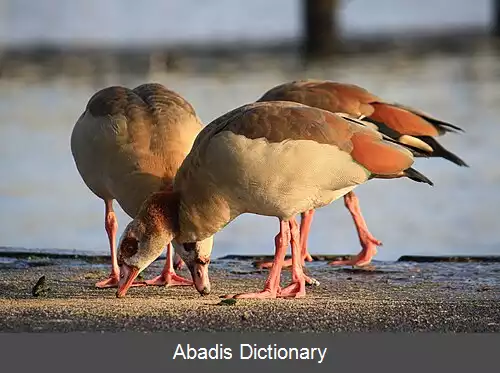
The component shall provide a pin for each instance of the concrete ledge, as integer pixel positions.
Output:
(399, 296)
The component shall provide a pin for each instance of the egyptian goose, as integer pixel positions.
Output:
(267, 158)
(407, 125)
(129, 144)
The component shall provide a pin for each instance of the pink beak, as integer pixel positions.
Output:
(127, 276)
(199, 271)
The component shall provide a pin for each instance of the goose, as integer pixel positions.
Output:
(274, 159)
(402, 123)
(128, 144)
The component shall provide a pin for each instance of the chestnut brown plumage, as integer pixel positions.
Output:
(280, 159)
(128, 144)
(412, 127)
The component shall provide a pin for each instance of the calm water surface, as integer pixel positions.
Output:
(45, 204)
(130, 22)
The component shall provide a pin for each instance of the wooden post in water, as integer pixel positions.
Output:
(319, 28)
(496, 18)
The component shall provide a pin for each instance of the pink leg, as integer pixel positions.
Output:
(297, 288)
(168, 277)
(111, 226)
(305, 227)
(178, 262)
(272, 287)
(368, 242)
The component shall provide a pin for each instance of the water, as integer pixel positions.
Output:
(44, 203)
(130, 22)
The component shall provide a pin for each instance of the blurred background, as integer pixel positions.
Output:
(441, 56)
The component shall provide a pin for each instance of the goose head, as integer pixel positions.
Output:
(145, 238)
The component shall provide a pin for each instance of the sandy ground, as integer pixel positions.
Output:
(401, 296)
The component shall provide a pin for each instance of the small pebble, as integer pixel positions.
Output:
(40, 288)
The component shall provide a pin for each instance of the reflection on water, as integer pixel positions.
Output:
(44, 203)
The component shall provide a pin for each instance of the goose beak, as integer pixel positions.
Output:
(127, 276)
(199, 272)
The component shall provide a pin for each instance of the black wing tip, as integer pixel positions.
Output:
(461, 163)
(448, 127)
(440, 151)
(414, 175)
(442, 126)
(452, 158)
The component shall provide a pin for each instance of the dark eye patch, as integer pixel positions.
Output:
(189, 246)
(129, 247)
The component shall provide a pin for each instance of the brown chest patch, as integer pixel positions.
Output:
(161, 211)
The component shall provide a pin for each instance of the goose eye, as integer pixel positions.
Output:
(129, 247)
